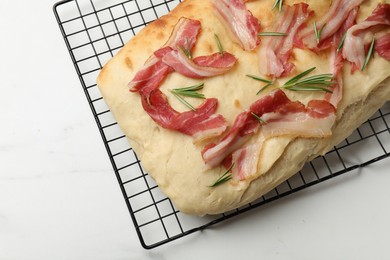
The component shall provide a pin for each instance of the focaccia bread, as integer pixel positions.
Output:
(176, 160)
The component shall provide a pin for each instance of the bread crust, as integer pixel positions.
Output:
(175, 162)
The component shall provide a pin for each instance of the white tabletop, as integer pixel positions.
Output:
(59, 197)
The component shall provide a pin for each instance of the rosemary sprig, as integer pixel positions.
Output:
(370, 52)
(269, 83)
(224, 177)
(220, 48)
(279, 4)
(341, 44)
(261, 121)
(191, 91)
(321, 82)
(272, 34)
(187, 49)
(318, 32)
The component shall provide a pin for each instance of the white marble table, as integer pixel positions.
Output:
(59, 198)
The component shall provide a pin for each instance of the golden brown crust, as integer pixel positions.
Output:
(175, 162)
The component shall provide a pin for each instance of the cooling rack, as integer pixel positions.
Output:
(94, 31)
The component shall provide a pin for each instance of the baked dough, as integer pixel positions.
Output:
(172, 158)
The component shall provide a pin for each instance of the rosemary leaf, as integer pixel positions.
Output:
(187, 49)
(279, 4)
(341, 44)
(220, 48)
(191, 91)
(321, 82)
(369, 54)
(318, 32)
(260, 79)
(272, 34)
(261, 121)
(264, 88)
(224, 177)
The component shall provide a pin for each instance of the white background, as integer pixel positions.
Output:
(59, 198)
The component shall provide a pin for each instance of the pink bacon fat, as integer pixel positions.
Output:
(361, 34)
(331, 22)
(276, 51)
(239, 22)
(200, 67)
(201, 124)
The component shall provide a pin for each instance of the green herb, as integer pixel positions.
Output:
(321, 82)
(279, 4)
(220, 48)
(318, 33)
(191, 91)
(341, 44)
(269, 82)
(261, 121)
(224, 178)
(272, 34)
(187, 50)
(369, 54)
(264, 88)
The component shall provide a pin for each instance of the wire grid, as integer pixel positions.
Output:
(94, 31)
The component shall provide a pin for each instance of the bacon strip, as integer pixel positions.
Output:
(202, 123)
(239, 21)
(292, 119)
(201, 67)
(244, 125)
(184, 34)
(276, 51)
(331, 22)
(361, 34)
(382, 46)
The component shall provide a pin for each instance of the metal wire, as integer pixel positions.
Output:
(94, 31)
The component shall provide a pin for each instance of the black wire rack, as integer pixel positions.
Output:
(94, 31)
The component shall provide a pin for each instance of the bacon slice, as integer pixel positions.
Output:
(276, 51)
(201, 67)
(244, 125)
(331, 22)
(291, 119)
(239, 21)
(283, 117)
(382, 46)
(361, 34)
(154, 71)
(336, 58)
(202, 123)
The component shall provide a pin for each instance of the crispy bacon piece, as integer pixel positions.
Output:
(382, 46)
(361, 34)
(331, 22)
(201, 67)
(276, 51)
(239, 22)
(202, 123)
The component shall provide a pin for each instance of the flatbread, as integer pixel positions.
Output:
(172, 158)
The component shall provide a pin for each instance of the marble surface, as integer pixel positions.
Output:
(59, 198)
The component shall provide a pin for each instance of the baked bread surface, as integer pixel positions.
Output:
(175, 162)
